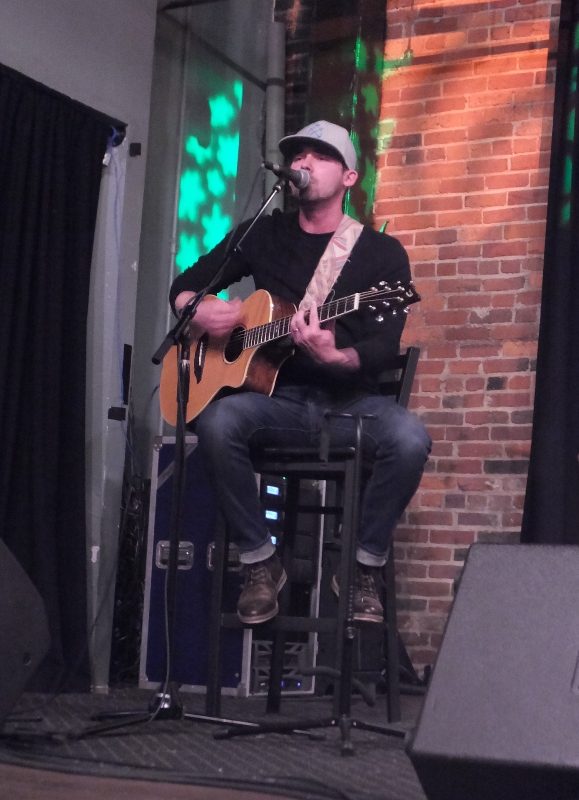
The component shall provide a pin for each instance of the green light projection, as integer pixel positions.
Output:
(207, 184)
(371, 72)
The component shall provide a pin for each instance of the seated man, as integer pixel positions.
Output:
(335, 366)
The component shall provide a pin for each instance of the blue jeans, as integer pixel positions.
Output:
(231, 428)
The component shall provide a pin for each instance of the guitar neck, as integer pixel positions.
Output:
(279, 328)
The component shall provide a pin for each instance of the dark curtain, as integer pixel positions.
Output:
(552, 502)
(51, 153)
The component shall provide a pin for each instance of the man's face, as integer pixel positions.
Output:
(329, 178)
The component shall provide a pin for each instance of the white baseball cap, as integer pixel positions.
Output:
(333, 138)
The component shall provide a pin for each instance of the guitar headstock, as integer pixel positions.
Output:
(390, 299)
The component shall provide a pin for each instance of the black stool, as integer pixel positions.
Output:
(348, 468)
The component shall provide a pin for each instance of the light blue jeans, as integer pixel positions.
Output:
(233, 428)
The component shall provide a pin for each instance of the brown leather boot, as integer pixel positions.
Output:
(258, 599)
(367, 605)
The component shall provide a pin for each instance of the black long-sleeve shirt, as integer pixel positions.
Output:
(281, 258)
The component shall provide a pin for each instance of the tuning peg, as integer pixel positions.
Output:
(373, 289)
(372, 308)
(384, 285)
(394, 313)
(379, 318)
(407, 310)
(386, 303)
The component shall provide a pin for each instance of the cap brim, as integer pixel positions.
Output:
(290, 145)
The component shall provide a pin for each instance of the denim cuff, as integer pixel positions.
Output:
(253, 556)
(370, 559)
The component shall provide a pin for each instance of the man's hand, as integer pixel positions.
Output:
(320, 342)
(217, 317)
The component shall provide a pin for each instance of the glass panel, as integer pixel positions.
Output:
(223, 122)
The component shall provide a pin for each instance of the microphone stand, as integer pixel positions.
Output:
(166, 703)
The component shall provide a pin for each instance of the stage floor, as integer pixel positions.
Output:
(41, 736)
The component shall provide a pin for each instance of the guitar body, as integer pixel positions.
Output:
(218, 364)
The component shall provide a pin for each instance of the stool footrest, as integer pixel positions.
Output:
(282, 623)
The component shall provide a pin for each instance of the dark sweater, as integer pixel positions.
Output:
(282, 258)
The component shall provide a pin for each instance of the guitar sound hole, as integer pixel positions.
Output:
(234, 346)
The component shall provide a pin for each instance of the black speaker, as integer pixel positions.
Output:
(501, 715)
(24, 637)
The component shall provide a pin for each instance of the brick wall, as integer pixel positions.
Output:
(463, 172)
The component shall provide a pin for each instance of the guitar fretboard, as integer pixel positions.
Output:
(262, 334)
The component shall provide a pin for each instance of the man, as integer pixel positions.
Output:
(335, 366)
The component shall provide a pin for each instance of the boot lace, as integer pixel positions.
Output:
(256, 573)
(365, 582)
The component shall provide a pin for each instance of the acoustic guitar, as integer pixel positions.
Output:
(249, 358)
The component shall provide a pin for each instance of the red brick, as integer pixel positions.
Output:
(442, 236)
(525, 230)
(520, 331)
(464, 367)
(467, 433)
(441, 203)
(526, 197)
(527, 315)
(486, 199)
(439, 606)
(424, 553)
(454, 536)
(491, 317)
(449, 571)
(502, 249)
(403, 534)
(479, 351)
(467, 300)
(459, 251)
(428, 588)
(446, 317)
(486, 418)
(444, 137)
(478, 35)
(508, 180)
(479, 450)
(464, 86)
(413, 222)
(420, 92)
(469, 332)
(509, 399)
(458, 218)
(518, 433)
(510, 80)
(460, 466)
(446, 269)
(511, 214)
(430, 518)
(441, 351)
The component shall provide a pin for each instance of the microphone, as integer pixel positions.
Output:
(299, 177)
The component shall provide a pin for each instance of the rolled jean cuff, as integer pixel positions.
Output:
(253, 556)
(370, 559)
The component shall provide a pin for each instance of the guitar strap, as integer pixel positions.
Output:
(332, 261)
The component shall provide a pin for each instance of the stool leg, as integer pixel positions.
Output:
(391, 643)
(345, 631)
(276, 662)
(213, 679)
